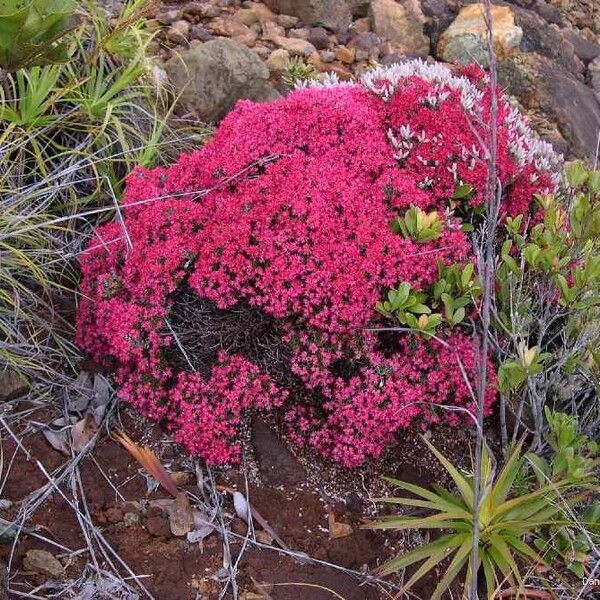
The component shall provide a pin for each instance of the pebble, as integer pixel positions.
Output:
(327, 56)
(42, 561)
(130, 519)
(114, 514)
(178, 32)
(287, 21)
(278, 60)
(345, 55)
(296, 46)
(301, 34)
(271, 31)
(168, 17)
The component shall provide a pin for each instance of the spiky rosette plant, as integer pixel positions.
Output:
(245, 276)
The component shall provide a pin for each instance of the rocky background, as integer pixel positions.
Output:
(549, 51)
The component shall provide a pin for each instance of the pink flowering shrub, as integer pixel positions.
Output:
(287, 211)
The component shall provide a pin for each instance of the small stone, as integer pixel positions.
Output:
(178, 32)
(262, 537)
(278, 60)
(287, 21)
(300, 34)
(263, 13)
(169, 17)
(157, 523)
(295, 46)
(42, 561)
(246, 16)
(327, 56)
(262, 51)
(181, 516)
(198, 32)
(365, 41)
(130, 519)
(114, 514)
(271, 31)
(229, 27)
(345, 55)
(152, 25)
(319, 38)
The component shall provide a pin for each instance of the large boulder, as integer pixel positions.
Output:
(213, 76)
(400, 24)
(465, 41)
(547, 90)
(332, 14)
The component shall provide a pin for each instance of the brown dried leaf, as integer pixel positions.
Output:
(82, 432)
(337, 530)
(181, 516)
(148, 460)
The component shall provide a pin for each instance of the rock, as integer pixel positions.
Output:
(169, 17)
(332, 14)
(318, 37)
(198, 32)
(200, 10)
(181, 516)
(327, 56)
(345, 55)
(287, 21)
(548, 40)
(3, 582)
(439, 15)
(178, 32)
(272, 31)
(41, 561)
(239, 526)
(263, 13)
(276, 464)
(262, 537)
(217, 74)
(278, 60)
(400, 24)
(465, 40)
(12, 385)
(262, 51)
(594, 70)
(542, 86)
(359, 8)
(295, 46)
(245, 16)
(365, 41)
(300, 34)
(228, 26)
(157, 523)
(114, 515)
(585, 50)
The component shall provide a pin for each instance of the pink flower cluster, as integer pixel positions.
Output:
(288, 209)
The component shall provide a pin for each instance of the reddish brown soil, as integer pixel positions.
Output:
(176, 569)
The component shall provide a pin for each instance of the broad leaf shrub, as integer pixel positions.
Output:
(292, 210)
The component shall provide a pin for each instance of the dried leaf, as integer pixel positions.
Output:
(79, 394)
(181, 516)
(197, 535)
(148, 460)
(58, 440)
(82, 432)
(337, 530)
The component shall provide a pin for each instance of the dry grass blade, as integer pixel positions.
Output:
(148, 460)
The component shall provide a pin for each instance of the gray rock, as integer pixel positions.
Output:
(318, 37)
(327, 56)
(365, 41)
(332, 14)
(295, 46)
(544, 87)
(300, 34)
(216, 74)
(547, 40)
(287, 21)
(584, 49)
(401, 24)
(278, 60)
(594, 70)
